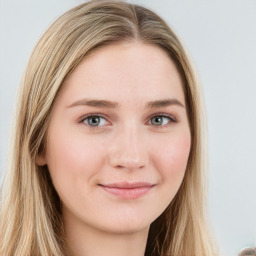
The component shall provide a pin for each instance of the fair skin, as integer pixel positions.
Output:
(117, 147)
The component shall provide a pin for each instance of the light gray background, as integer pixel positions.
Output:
(221, 37)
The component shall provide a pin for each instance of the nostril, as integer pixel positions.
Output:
(129, 166)
(125, 156)
(126, 162)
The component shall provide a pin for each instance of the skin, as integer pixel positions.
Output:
(132, 141)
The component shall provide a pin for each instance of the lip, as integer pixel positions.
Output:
(126, 190)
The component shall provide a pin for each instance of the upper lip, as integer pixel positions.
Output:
(127, 185)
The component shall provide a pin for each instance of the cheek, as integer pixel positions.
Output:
(72, 160)
(171, 160)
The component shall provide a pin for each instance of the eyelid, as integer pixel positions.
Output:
(172, 119)
(81, 120)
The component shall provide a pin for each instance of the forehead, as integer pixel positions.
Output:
(125, 71)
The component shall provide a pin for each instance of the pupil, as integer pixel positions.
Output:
(94, 121)
(157, 120)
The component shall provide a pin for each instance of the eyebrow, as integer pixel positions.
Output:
(113, 104)
(95, 103)
(163, 103)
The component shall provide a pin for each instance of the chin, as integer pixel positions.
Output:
(126, 222)
(125, 227)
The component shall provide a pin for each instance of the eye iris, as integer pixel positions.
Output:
(94, 121)
(158, 120)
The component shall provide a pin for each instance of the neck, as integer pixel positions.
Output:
(83, 240)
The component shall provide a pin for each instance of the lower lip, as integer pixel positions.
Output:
(128, 193)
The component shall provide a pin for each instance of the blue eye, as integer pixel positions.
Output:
(161, 120)
(95, 121)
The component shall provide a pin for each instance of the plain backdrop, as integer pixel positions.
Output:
(221, 37)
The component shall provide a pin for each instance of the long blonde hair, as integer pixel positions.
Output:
(30, 220)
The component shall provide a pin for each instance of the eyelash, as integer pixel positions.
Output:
(82, 120)
(171, 121)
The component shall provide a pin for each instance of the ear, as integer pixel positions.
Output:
(41, 159)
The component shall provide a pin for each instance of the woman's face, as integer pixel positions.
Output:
(118, 139)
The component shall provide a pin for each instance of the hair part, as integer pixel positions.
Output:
(30, 217)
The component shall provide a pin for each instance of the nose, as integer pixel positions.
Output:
(128, 150)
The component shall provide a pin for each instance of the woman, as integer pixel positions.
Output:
(107, 150)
